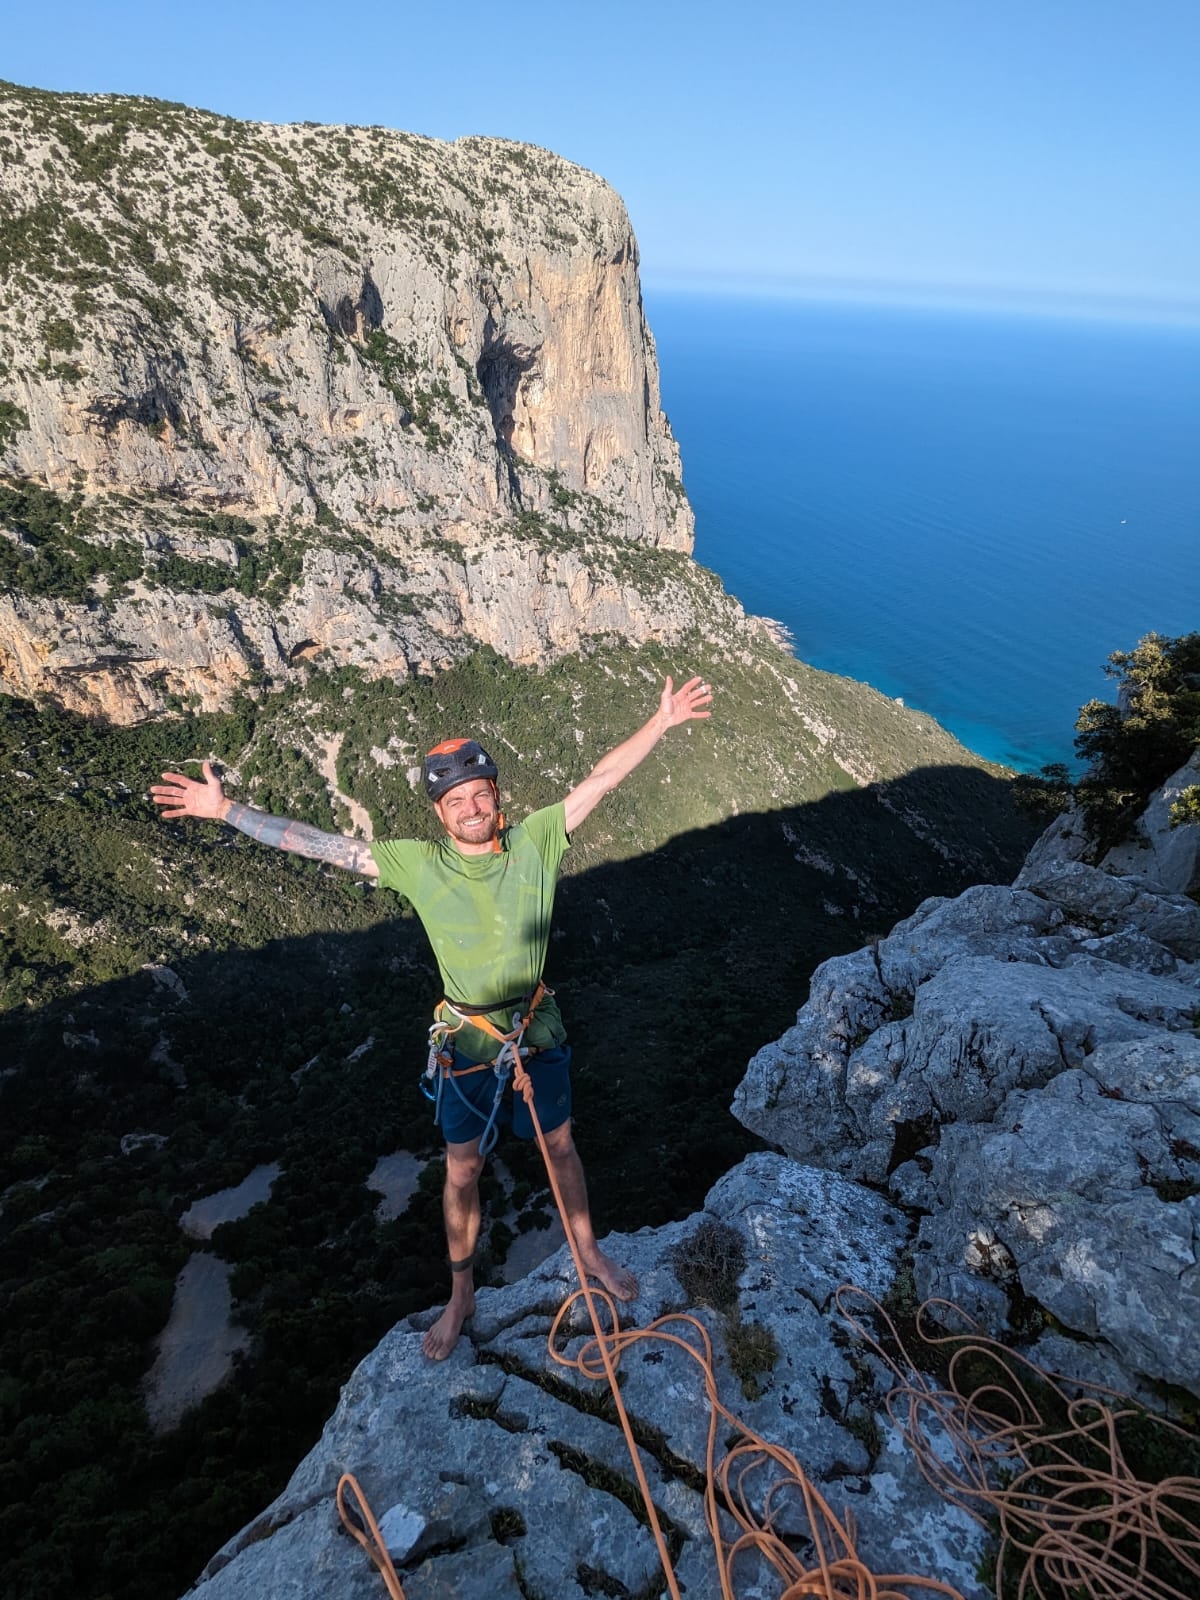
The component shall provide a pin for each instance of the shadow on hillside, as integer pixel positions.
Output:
(672, 969)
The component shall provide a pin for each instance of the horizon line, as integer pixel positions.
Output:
(1080, 304)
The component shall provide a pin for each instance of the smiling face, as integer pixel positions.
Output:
(470, 814)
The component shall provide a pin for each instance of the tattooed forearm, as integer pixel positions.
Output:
(303, 840)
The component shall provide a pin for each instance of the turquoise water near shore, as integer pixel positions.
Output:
(969, 511)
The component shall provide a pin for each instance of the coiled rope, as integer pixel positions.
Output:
(1075, 1518)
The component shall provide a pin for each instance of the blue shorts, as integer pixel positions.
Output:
(550, 1071)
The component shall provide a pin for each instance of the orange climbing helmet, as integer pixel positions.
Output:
(456, 761)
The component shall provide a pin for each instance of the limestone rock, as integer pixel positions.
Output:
(1107, 904)
(479, 1469)
(1169, 855)
(1064, 840)
(1021, 1066)
(1096, 1197)
(433, 357)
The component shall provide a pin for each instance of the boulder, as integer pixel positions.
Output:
(1171, 856)
(1094, 1192)
(1021, 1066)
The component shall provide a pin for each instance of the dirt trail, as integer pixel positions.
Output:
(330, 745)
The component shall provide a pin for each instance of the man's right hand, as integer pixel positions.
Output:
(188, 798)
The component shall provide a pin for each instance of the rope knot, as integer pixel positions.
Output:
(522, 1082)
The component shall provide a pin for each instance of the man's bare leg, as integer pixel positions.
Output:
(568, 1173)
(460, 1207)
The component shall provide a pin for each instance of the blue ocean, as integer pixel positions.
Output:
(968, 510)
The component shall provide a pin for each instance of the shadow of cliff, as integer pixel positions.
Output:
(672, 969)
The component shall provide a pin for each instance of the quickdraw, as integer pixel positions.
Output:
(439, 1066)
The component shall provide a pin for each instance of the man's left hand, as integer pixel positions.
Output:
(682, 704)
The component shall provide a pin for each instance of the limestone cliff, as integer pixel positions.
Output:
(414, 378)
(1020, 1065)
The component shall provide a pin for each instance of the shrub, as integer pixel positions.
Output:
(752, 1350)
(709, 1262)
(1134, 746)
(13, 420)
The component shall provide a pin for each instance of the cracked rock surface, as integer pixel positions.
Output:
(1022, 1066)
(500, 1473)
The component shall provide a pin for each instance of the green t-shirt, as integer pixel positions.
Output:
(487, 918)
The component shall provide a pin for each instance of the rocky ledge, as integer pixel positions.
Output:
(1020, 1067)
(501, 1474)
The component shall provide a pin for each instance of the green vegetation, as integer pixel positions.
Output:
(397, 367)
(55, 558)
(708, 1264)
(13, 420)
(59, 334)
(1133, 746)
(1130, 748)
(66, 544)
(1187, 808)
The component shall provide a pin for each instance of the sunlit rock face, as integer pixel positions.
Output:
(422, 366)
(1022, 1067)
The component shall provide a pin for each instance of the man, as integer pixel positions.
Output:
(484, 894)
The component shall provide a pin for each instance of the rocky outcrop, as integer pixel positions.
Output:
(1021, 1066)
(418, 374)
(342, 316)
(1170, 856)
(495, 1475)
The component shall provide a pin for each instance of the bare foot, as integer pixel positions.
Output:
(443, 1336)
(616, 1279)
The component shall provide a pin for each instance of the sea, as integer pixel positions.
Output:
(968, 510)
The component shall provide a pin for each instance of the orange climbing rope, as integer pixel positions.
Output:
(1003, 1435)
(360, 1524)
(749, 1486)
(749, 1464)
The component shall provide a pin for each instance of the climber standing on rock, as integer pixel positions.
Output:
(484, 893)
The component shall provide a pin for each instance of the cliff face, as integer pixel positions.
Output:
(1021, 1066)
(401, 361)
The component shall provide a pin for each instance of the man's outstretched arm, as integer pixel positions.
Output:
(675, 706)
(185, 797)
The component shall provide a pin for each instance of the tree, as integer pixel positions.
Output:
(1134, 746)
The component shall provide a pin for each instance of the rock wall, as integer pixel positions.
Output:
(422, 367)
(1021, 1066)
(268, 317)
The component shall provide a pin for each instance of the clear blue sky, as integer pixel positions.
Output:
(1045, 149)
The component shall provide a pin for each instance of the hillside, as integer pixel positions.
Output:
(318, 445)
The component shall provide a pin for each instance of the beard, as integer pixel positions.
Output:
(476, 830)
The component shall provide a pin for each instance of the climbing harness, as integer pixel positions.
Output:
(440, 1070)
